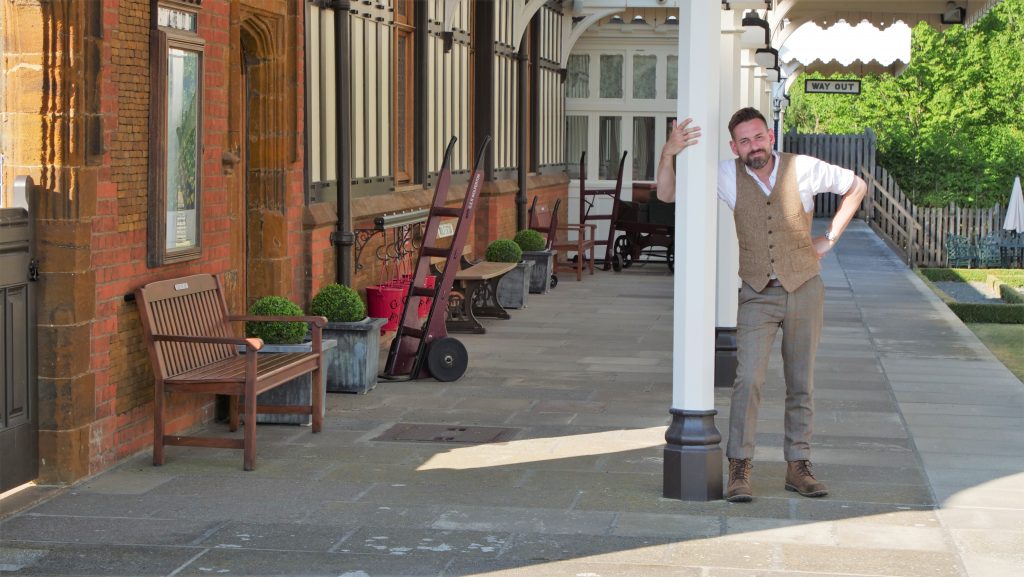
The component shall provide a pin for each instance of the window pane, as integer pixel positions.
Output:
(643, 148)
(672, 77)
(182, 150)
(668, 125)
(401, 93)
(575, 142)
(645, 76)
(610, 139)
(577, 82)
(611, 76)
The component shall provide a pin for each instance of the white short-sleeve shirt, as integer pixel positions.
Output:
(813, 177)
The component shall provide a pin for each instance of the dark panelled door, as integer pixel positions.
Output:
(19, 424)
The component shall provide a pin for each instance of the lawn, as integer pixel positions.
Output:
(1006, 341)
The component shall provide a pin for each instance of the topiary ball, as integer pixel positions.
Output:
(276, 332)
(340, 304)
(530, 240)
(503, 250)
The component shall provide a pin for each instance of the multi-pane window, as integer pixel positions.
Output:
(175, 137)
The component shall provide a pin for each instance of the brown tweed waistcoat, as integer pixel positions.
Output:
(774, 231)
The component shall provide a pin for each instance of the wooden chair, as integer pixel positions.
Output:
(545, 222)
(587, 202)
(193, 349)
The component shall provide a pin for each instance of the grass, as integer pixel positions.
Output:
(1005, 341)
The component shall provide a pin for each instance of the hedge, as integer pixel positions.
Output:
(976, 312)
(1014, 277)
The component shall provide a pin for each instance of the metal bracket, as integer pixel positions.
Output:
(33, 269)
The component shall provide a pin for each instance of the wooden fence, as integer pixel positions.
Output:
(919, 233)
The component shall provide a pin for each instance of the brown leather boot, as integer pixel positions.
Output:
(738, 490)
(800, 479)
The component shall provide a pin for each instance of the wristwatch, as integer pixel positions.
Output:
(831, 236)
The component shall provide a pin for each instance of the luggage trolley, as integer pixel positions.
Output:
(644, 227)
(426, 350)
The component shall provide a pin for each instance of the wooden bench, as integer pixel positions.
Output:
(193, 349)
(477, 297)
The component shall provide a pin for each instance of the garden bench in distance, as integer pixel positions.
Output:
(193, 349)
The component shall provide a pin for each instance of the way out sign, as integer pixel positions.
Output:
(832, 86)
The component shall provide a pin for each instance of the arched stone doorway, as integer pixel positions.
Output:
(265, 154)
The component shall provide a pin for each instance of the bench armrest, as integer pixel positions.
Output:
(250, 343)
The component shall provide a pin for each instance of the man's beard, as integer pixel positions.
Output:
(757, 163)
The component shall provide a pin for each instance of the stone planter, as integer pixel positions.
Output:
(354, 368)
(295, 391)
(514, 287)
(543, 266)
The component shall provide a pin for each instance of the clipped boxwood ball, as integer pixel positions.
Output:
(339, 303)
(276, 332)
(503, 250)
(530, 240)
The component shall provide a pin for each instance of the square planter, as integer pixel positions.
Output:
(297, 390)
(514, 287)
(543, 266)
(354, 368)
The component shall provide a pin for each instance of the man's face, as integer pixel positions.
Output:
(753, 143)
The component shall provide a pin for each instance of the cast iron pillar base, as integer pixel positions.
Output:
(693, 457)
(725, 356)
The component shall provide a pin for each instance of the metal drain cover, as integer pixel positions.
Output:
(461, 434)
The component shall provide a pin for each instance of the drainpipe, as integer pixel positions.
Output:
(522, 56)
(343, 238)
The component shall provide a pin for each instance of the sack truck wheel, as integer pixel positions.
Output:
(447, 359)
(617, 263)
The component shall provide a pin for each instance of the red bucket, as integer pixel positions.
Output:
(385, 301)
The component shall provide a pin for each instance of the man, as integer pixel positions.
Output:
(772, 198)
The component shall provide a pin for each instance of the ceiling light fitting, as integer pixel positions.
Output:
(767, 58)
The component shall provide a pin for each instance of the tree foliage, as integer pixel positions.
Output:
(950, 128)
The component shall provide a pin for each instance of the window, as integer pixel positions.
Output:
(575, 142)
(643, 148)
(577, 83)
(610, 139)
(404, 74)
(644, 76)
(611, 76)
(672, 77)
(175, 199)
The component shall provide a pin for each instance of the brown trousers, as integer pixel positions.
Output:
(761, 314)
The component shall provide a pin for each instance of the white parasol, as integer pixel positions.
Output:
(1015, 211)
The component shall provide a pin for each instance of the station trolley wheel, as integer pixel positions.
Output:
(447, 359)
(554, 280)
(617, 263)
(623, 251)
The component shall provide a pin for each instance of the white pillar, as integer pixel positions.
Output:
(693, 457)
(727, 299)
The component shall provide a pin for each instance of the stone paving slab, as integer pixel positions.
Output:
(918, 434)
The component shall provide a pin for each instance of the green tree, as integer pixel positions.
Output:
(951, 127)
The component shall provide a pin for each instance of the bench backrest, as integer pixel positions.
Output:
(189, 306)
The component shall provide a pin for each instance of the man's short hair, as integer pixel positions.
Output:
(743, 115)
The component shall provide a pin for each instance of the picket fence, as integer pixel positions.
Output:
(918, 233)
